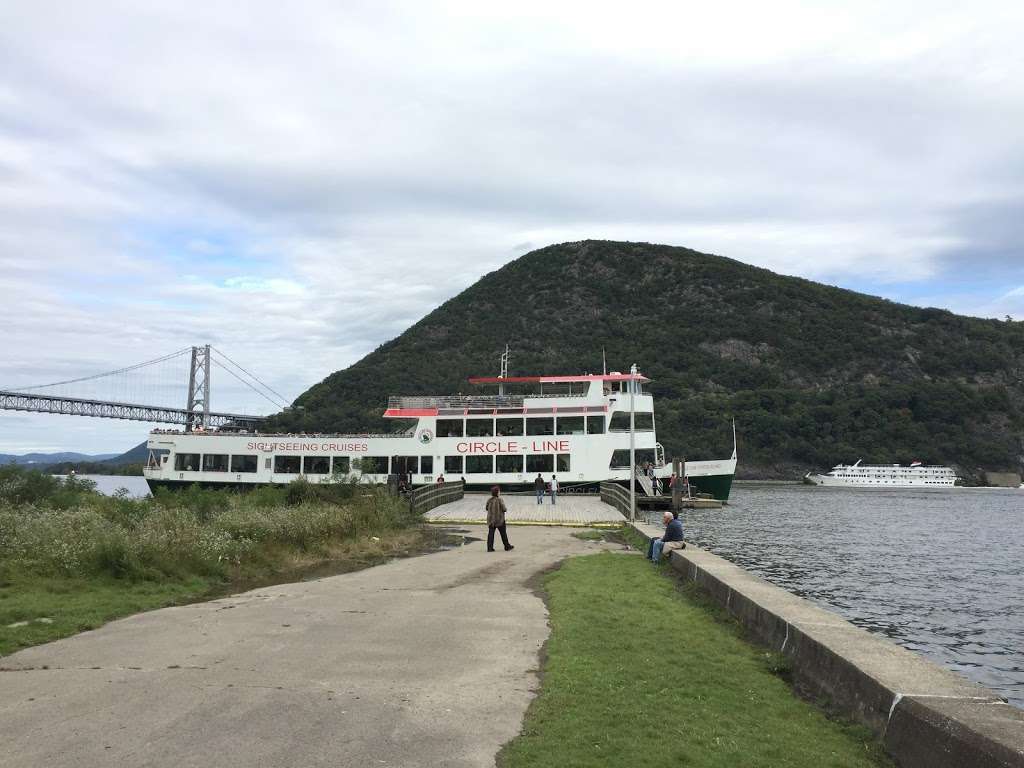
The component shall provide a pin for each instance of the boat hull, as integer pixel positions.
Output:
(833, 482)
(719, 486)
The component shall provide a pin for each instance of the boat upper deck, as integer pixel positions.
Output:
(592, 388)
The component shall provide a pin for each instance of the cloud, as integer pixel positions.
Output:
(298, 184)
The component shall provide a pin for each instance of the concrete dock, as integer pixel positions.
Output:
(570, 509)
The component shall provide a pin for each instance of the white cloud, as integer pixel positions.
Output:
(297, 184)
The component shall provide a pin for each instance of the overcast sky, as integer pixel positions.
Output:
(298, 182)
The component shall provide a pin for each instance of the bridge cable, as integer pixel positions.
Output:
(254, 377)
(108, 373)
(246, 383)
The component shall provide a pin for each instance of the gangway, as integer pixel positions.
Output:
(644, 481)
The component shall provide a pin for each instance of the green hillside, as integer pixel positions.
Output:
(813, 374)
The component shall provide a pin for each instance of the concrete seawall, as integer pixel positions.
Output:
(926, 715)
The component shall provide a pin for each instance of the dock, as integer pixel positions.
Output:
(570, 510)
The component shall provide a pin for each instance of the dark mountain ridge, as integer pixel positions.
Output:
(813, 374)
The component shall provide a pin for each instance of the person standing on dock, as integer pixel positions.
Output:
(554, 489)
(538, 486)
(496, 520)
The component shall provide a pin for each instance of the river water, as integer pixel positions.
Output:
(940, 572)
(109, 484)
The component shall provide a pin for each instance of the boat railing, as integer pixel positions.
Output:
(262, 435)
(455, 401)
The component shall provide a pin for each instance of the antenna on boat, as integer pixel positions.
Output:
(503, 371)
(604, 361)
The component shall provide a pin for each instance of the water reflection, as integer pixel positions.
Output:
(940, 572)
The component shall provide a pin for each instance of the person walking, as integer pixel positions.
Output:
(554, 489)
(496, 520)
(538, 486)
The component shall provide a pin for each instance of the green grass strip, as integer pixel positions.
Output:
(38, 609)
(638, 674)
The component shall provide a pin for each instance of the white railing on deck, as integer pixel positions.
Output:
(472, 401)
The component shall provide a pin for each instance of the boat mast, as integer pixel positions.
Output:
(503, 370)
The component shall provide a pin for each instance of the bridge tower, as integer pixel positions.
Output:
(198, 405)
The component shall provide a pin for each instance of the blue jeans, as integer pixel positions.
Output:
(554, 495)
(540, 497)
(656, 546)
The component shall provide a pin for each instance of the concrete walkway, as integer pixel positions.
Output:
(570, 509)
(429, 661)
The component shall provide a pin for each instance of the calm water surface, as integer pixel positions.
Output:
(940, 572)
(108, 484)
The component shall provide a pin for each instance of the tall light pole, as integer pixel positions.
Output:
(632, 444)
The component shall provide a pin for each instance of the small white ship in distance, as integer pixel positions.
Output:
(575, 427)
(857, 475)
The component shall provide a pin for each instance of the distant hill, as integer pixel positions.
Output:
(52, 458)
(136, 455)
(813, 374)
(128, 463)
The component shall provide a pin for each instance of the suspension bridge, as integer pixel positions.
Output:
(122, 393)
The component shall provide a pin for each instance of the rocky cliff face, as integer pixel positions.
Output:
(813, 374)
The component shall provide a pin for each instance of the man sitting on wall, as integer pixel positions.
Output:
(671, 539)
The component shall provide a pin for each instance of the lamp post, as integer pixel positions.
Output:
(632, 444)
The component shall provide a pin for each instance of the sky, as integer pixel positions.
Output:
(296, 183)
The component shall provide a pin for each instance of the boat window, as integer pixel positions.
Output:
(373, 465)
(642, 422)
(595, 425)
(562, 462)
(620, 457)
(540, 462)
(342, 465)
(544, 425)
(453, 465)
(215, 462)
(510, 464)
(479, 427)
(479, 465)
(316, 465)
(244, 464)
(405, 465)
(186, 462)
(449, 427)
(510, 427)
(426, 465)
(570, 425)
(287, 465)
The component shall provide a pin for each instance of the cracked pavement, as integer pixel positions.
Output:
(427, 661)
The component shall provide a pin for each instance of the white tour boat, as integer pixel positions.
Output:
(575, 427)
(886, 476)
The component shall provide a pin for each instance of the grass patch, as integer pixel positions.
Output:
(71, 605)
(60, 606)
(589, 534)
(72, 559)
(639, 674)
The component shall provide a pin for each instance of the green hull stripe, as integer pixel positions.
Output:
(717, 485)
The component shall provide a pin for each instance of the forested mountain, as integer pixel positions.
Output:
(812, 374)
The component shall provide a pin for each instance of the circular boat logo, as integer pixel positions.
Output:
(425, 436)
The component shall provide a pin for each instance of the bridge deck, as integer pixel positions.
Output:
(524, 510)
